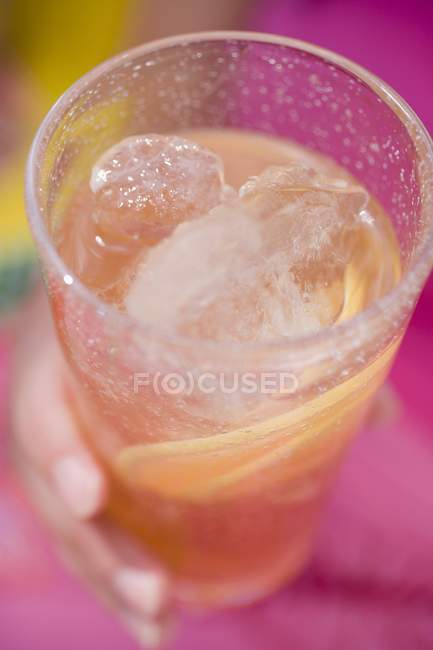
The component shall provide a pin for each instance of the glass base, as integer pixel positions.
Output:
(202, 597)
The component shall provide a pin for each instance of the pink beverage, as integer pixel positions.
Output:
(224, 296)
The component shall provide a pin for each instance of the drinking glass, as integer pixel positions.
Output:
(226, 489)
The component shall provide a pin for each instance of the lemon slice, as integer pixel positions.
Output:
(219, 466)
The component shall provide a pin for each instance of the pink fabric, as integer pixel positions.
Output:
(392, 39)
(370, 583)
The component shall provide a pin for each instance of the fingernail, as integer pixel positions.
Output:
(150, 635)
(79, 483)
(145, 591)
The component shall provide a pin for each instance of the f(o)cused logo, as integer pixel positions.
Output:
(173, 383)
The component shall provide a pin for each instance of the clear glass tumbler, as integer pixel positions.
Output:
(228, 505)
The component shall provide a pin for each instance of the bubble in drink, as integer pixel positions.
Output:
(146, 184)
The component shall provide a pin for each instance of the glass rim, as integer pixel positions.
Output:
(417, 271)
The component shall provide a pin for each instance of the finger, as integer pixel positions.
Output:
(146, 592)
(140, 590)
(137, 578)
(108, 561)
(148, 634)
(47, 435)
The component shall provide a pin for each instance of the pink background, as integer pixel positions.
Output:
(370, 583)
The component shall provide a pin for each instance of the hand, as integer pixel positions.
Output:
(69, 488)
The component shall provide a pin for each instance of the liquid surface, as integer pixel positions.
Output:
(276, 241)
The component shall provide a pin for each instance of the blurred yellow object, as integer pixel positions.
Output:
(16, 250)
(13, 228)
(60, 41)
(51, 43)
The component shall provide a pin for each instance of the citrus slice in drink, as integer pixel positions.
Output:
(276, 450)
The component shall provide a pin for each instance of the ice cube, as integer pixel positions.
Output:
(317, 221)
(262, 303)
(146, 184)
(216, 278)
(306, 211)
(182, 276)
(267, 265)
